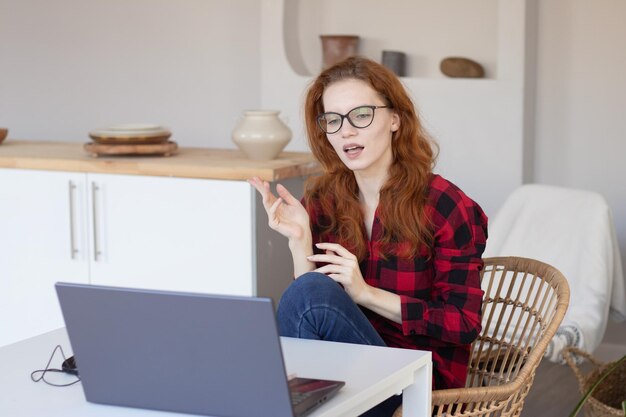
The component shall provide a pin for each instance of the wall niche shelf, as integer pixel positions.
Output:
(469, 117)
(427, 31)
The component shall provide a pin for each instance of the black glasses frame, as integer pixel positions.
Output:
(345, 116)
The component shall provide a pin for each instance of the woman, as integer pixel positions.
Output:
(405, 244)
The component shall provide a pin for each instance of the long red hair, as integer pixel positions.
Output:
(402, 198)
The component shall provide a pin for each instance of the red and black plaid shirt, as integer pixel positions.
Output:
(439, 289)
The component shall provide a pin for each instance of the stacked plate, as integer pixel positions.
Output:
(131, 134)
(131, 139)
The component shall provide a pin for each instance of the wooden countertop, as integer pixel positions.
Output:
(227, 164)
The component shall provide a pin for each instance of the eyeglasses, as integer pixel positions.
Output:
(359, 117)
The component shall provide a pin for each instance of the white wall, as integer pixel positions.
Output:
(71, 66)
(480, 124)
(581, 95)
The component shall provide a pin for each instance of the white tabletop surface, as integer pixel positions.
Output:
(371, 374)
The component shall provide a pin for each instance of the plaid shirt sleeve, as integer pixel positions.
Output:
(452, 314)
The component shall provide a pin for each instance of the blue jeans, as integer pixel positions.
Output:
(316, 307)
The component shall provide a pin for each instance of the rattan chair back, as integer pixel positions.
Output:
(523, 305)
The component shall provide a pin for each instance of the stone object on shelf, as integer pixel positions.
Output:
(458, 67)
(336, 48)
(3, 134)
(395, 61)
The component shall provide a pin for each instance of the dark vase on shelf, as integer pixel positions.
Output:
(395, 61)
(336, 48)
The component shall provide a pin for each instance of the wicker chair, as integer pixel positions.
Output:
(524, 303)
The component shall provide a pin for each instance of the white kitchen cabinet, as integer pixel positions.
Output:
(171, 233)
(42, 240)
(199, 235)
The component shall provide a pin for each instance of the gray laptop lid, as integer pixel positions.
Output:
(184, 352)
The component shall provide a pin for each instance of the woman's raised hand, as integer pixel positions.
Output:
(285, 213)
(342, 266)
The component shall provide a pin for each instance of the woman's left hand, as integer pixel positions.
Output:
(343, 267)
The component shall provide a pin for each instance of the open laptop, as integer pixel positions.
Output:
(184, 352)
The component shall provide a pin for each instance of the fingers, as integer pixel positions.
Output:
(331, 259)
(263, 187)
(333, 269)
(337, 248)
(334, 254)
(257, 183)
(286, 195)
(343, 274)
(273, 217)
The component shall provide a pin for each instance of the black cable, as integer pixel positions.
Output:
(47, 369)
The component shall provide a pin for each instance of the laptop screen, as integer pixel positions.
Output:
(184, 352)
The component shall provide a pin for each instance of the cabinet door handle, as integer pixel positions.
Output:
(73, 249)
(96, 249)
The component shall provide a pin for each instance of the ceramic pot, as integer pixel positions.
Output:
(261, 134)
(336, 48)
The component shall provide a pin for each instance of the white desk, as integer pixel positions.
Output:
(372, 374)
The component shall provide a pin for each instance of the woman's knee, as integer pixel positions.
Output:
(317, 307)
(312, 289)
(310, 280)
(314, 286)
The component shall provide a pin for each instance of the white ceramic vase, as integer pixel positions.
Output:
(261, 134)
